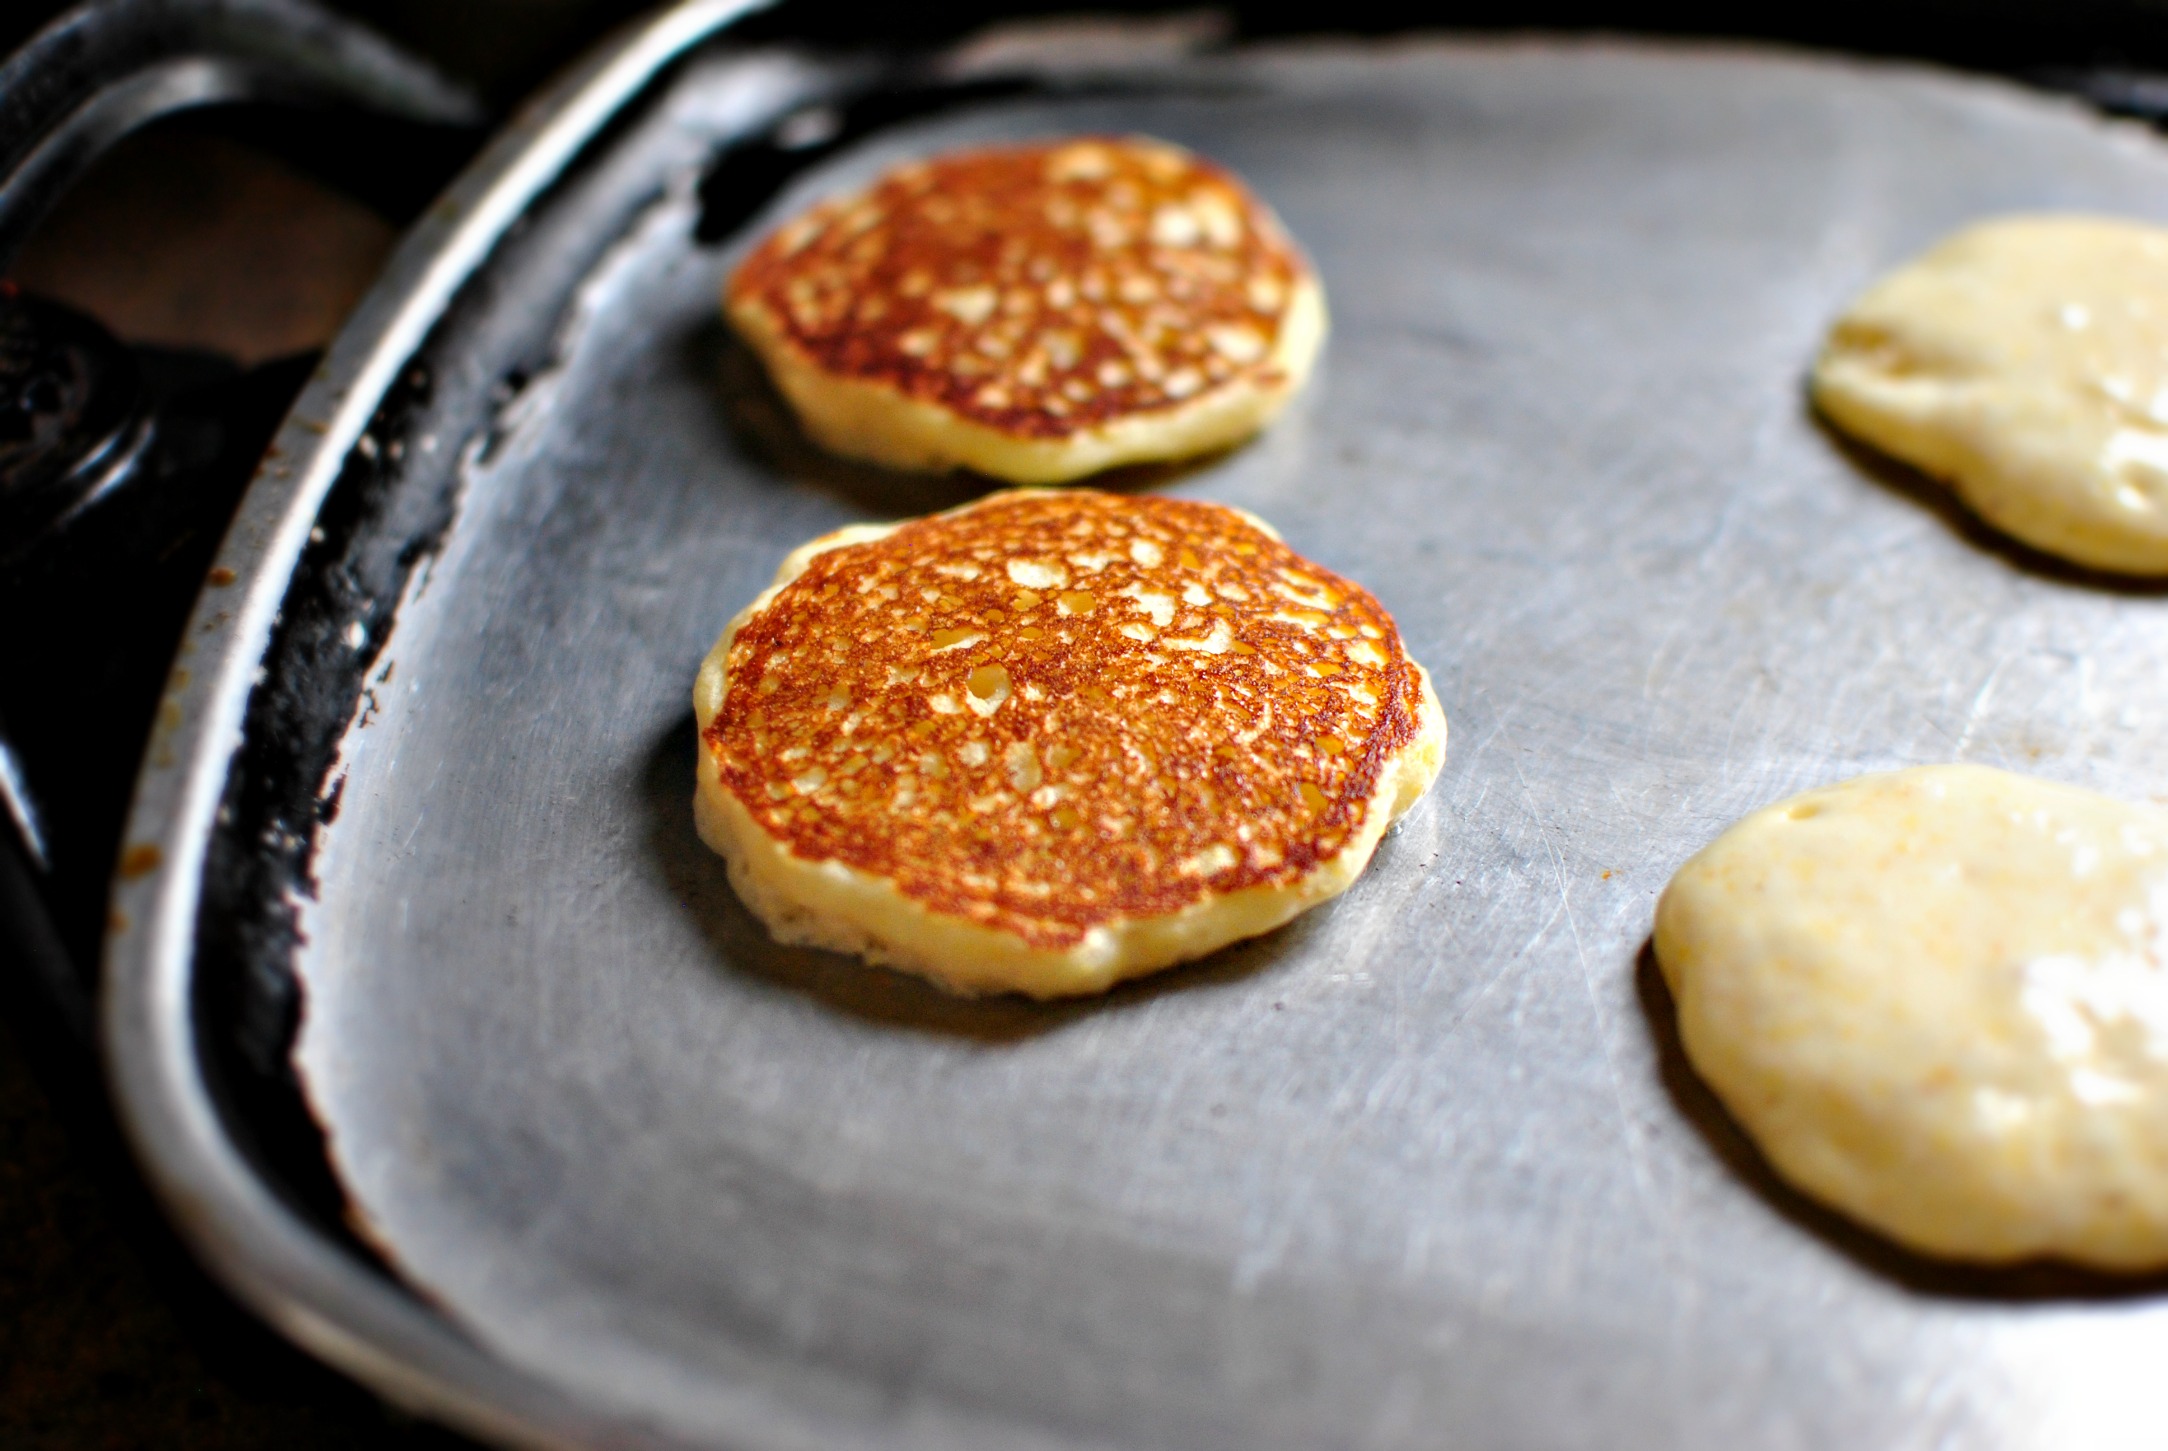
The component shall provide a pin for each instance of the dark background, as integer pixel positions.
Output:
(198, 238)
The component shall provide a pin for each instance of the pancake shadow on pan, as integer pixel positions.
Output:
(1941, 500)
(699, 884)
(2036, 1280)
(766, 429)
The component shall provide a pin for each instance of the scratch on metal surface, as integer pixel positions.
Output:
(1838, 709)
(1767, 443)
(1731, 729)
(1722, 532)
(1513, 960)
(1656, 658)
(1493, 729)
(1980, 700)
(1505, 968)
(1644, 1189)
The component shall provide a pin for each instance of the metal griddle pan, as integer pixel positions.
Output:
(599, 1165)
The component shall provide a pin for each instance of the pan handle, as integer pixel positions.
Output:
(108, 68)
(76, 428)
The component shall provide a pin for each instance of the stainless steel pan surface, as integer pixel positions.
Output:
(1424, 1168)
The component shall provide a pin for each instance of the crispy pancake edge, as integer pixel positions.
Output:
(876, 422)
(831, 905)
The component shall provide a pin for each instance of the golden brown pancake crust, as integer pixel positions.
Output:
(1051, 711)
(1035, 290)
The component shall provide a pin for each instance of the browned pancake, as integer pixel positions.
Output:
(1044, 294)
(1052, 711)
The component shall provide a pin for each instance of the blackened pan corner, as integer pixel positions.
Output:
(372, 534)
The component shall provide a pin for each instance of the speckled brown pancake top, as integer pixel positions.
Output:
(1052, 710)
(1036, 290)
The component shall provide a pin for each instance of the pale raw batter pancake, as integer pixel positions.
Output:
(1052, 740)
(1938, 1000)
(1037, 313)
(2024, 361)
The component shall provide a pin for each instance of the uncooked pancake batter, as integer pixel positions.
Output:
(2024, 362)
(1938, 1000)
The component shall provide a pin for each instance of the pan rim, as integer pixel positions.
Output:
(292, 1275)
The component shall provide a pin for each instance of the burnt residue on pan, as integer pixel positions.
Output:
(370, 537)
(384, 518)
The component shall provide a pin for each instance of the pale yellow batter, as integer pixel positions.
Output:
(1938, 1000)
(2024, 361)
